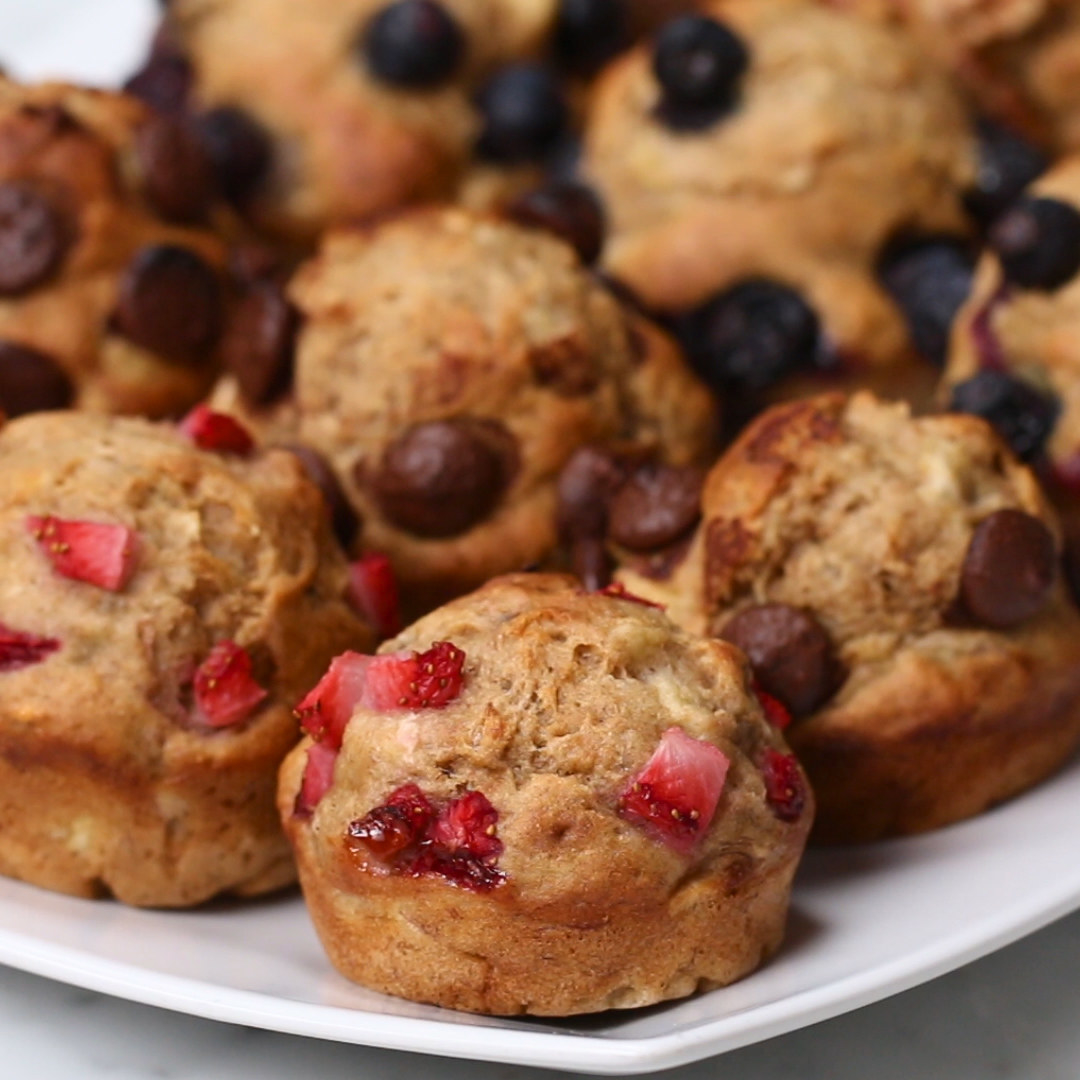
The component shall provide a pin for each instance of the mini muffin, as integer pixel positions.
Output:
(372, 104)
(1015, 350)
(763, 166)
(112, 292)
(164, 608)
(447, 367)
(896, 584)
(563, 805)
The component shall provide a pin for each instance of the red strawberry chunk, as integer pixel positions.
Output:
(326, 709)
(785, 789)
(318, 776)
(467, 825)
(677, 791)
(19, 650)
(102, 555)
(776, 712)
(619, 591)
(386, 831)
(211, 430)
(225, 690)
(373, 592)
(427, 680)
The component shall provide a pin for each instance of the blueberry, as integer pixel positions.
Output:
(239, 150)
(929, 280)
(567, 209)
(1022, 415)
(1038, 243)
(698, 63)
(524, 115)
(588, 33)
(1007, 164)
(751, 336)
(415, 44)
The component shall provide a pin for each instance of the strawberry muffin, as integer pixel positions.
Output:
(896, 585)
(163, 608)
(734, 154)
(447, 366)
(112, 284)
(540, 800)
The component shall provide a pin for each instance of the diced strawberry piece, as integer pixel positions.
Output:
(102, 555)
(467, 825)
(19, 650)
(318, 776)
(458, 868)
(677, 791)
(427, 680)
(785, 789)
(620, 592)
(326, 709)
(373, 592)
(776, 712)
(225, 690)
(402, 822)
(211, 430)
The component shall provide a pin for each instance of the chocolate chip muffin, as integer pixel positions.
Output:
(112, 290)
(763, 166)
(447, 367)
(164, 608)
(896, 584)
(327, 112)
(539, 800)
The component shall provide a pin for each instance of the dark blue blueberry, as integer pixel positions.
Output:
(524, 115)
(751, 336)
(415, 44)
(929, 280)
(1038, 243)
(567, 209)
(1022, 415)
(588, 33)
(1007, 164)
(239, 150)
(698, 63)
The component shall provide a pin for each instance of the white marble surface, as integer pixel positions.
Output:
(1014, 1015)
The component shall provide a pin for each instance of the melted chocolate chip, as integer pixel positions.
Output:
(441, 478)
(260, 341)
(177, 174)
(343, 518)
(524, 115)
(586, 486)
(170, 303)
(591, 563)
(1023, 415)
(1007, 164)
(239, 148)
(1038, 243)
(658, 505)
(34, 238)
(569, 210)
(1009, 569)
(31, 381)
(414, 44)
(790, 653)
(588, 33)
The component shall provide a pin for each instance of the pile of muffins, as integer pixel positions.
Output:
(525, 468)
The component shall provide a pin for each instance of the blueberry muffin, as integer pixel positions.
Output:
(112, 286)
(539, 800)
(896, 585)
(447, 366)
(734, 154)
(164, 608)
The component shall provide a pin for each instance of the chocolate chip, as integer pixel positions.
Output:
(31, 381)
(587, 484)
(34, 238)
(343, 518)
(170, 303)
(164, 81)
(591, 563)
(441, 478)
(657, 506)
(569, 210)
(260, 341)
(790, 653)
(177, 175)
(239, 148)
(1009, 569)
(1038, 243)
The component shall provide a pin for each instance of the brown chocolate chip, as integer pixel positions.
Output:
(586, 486)
(31, 381)
(170, 303)
(343, 518)
(239, 148)
(1009, 569)
(441, 478)
(790, 653)
(566, 365)
(259, 342)
(568, 209)
(34, 237)
(164, 81)
(590, 562)
(658, 505)
(177, 176)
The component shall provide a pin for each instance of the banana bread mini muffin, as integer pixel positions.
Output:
(896, 584)
(163, 607)
(762, 166)
(447, 367)
(112, 290)
(540, 800)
